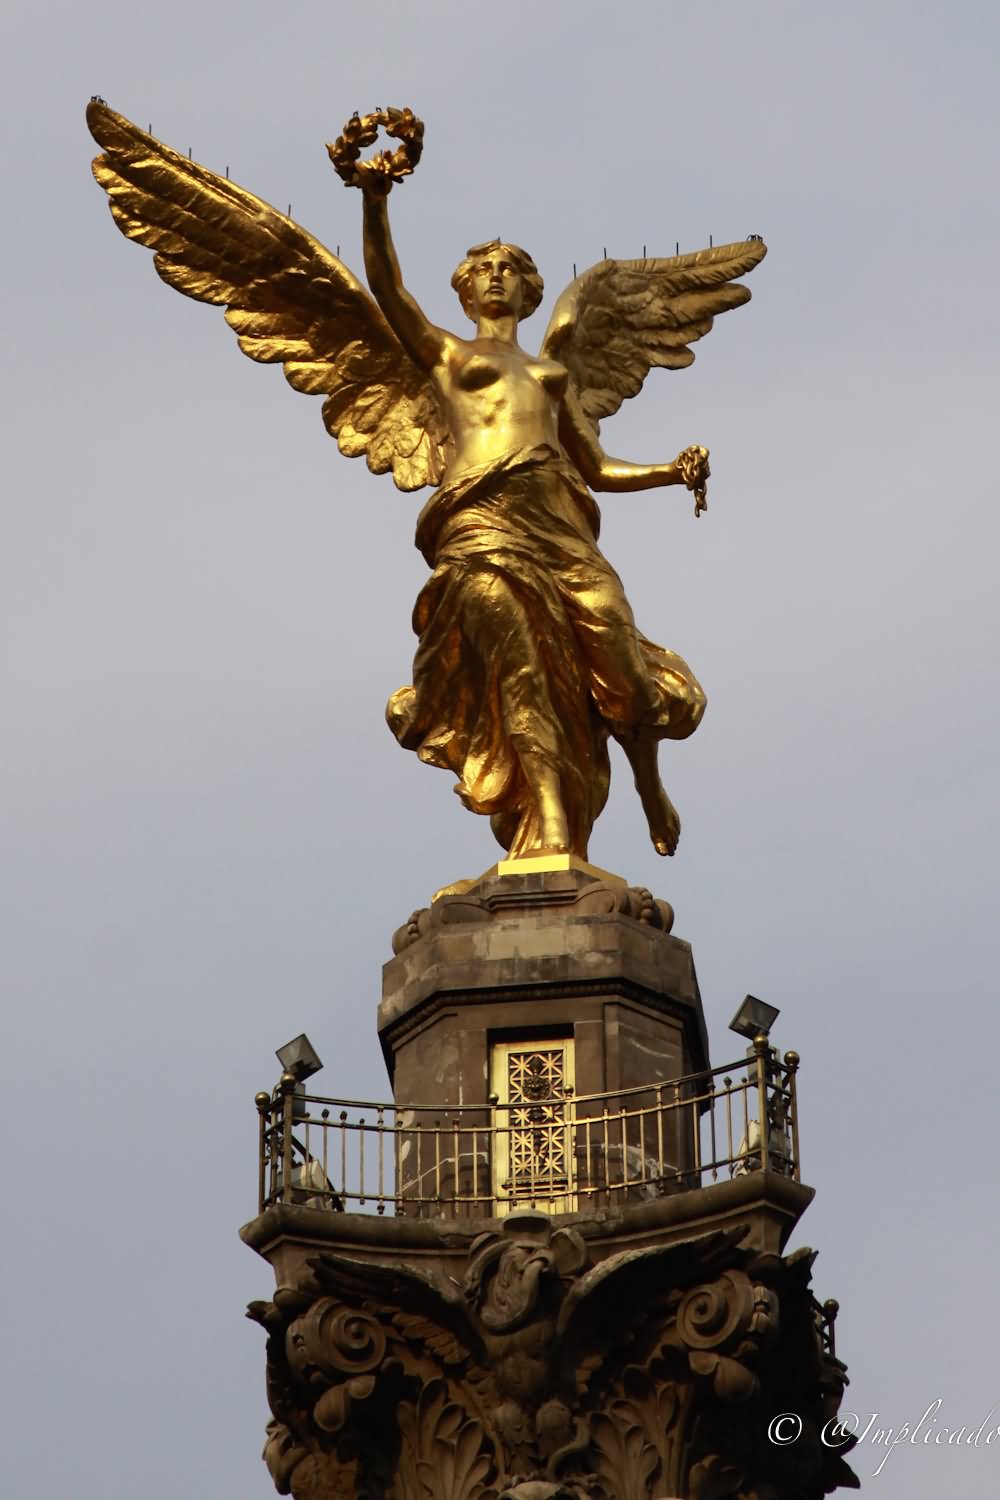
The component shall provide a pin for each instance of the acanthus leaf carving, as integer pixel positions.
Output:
(445, 1452)
(635, 1437)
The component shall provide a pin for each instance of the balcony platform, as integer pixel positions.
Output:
(767, 1205)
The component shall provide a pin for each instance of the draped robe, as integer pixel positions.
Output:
(527, 645)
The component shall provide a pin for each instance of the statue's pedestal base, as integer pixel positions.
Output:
(532, 864)
(539, 864)
(557, 954)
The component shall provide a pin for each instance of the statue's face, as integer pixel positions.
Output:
(496, 286)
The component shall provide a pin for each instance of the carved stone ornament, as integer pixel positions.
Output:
(489, 899)
(542, 1376)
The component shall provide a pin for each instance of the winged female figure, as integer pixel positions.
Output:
(529, 658)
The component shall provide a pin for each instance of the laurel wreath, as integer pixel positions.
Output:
(362, 130)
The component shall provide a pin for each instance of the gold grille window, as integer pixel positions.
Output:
(533, 1084)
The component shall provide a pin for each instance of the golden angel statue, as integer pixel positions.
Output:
(529, 658)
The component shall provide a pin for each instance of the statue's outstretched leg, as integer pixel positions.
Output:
(661, 814)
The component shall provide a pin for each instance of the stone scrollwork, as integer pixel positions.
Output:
(329, 1342)
(539, 1375)
(710, 1316)
(724, 1326)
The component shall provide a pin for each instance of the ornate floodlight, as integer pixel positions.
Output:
(754, 1018)
(299, 1057)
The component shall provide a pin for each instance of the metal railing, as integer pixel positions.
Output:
(825, 1318)
(574, 1152)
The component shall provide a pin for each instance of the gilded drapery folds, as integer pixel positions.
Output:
(528, 646)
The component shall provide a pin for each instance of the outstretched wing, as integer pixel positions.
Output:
(426, 1311)
(429, 1306)
(605, 1306)
(622, 316)
(288, 300)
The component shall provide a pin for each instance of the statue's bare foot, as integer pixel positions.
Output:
(664, 823)
(661, 814)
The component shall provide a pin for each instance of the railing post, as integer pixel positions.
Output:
(696, 1139)
(361, 1158)
(397, 1160)
(494, 1154)
(761, 1049)
(622, 1114)
(572, 1173)
(831, 1308)
(286, 1087)
(680, 1144)
(661, 1167)
(381, 1158)
(263, 1103)
(456, 1192)
(792, 1064)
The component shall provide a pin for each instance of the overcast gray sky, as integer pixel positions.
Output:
(209, 833)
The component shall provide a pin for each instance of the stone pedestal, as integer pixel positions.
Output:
(553, 983)
(550, 954)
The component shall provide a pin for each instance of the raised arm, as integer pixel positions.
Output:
(606, 474)
(420, 338)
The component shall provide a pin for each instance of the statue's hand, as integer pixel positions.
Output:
(374, 177)
(694, 470)
(693, 464)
